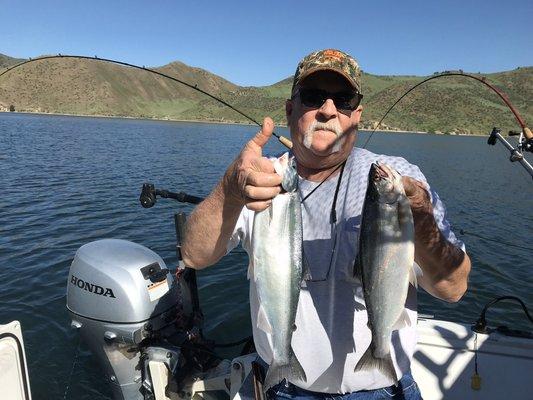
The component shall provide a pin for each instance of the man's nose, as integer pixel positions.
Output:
(328, 110)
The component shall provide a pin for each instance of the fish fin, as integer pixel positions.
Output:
(251, 270)
(280, 164)
(277, 372)
(412, 278)
(402, 321)
(262, 320)
(357, 268)
(306, 271)
(297, 370)
(250, 273)
(370, 363)
(359, 306)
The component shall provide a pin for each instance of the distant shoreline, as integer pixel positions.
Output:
(127, 117)
(217, 122)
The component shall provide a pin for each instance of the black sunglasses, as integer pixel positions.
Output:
(345, 102)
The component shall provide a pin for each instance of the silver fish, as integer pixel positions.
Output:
(385, 264)
(277, 271)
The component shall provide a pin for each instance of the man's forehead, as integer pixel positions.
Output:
(327, 79)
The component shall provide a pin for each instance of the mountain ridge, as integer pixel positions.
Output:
(88, 87)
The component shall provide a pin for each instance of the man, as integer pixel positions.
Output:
(332, 334)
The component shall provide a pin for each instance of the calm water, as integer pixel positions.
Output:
(66, 181)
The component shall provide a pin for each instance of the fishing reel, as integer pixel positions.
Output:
(525, 143)
(149, 194)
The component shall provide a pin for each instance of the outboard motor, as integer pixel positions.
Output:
(127, 307)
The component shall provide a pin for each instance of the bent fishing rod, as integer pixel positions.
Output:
(525, 140)
(286, 142)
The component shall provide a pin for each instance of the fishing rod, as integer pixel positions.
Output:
(525, 141)
(286, 142)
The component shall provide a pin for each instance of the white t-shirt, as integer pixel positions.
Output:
(332, 332)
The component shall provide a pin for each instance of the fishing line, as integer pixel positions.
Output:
(463, 232)
(74, 362)
(527, 132)
(286, 142)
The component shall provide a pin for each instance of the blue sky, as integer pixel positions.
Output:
(260, 43)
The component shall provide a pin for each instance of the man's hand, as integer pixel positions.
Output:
(251, 179)
(417, 194)
(445, 267)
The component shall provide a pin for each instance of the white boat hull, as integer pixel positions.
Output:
(443, 367)
(444, 363)
(14, 380)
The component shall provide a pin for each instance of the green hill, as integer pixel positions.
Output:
(89, 87)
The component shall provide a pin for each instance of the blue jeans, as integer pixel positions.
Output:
(406, 389)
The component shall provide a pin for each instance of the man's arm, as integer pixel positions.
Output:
(249, 181)
(209, 228)
(445, 267)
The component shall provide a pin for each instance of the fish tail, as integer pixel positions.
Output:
(277, 372)
(296, 368)
(370, 363)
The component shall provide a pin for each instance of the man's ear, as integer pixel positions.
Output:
(356, 115)
(288, 110)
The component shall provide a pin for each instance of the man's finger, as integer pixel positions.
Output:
(408, 185)
(417, 193)
(263, 164)
(262, 137)
(412, 186)
(261, 193)
(258, 205)
(266, 179)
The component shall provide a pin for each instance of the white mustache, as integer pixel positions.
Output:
(332, 126)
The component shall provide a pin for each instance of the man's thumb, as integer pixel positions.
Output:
(262, 137)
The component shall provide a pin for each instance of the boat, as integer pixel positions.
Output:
(143, 322)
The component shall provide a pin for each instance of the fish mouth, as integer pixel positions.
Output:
(379, 172)
(386, 182)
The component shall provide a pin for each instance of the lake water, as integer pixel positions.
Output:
(66, 181)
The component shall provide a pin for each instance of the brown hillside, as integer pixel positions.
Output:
(91, 87)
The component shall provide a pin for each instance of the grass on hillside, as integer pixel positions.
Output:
(92, 87)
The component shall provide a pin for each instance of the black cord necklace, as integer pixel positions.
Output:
(332, 217)
(341, 165)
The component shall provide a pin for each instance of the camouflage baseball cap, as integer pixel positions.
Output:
(332, 60)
